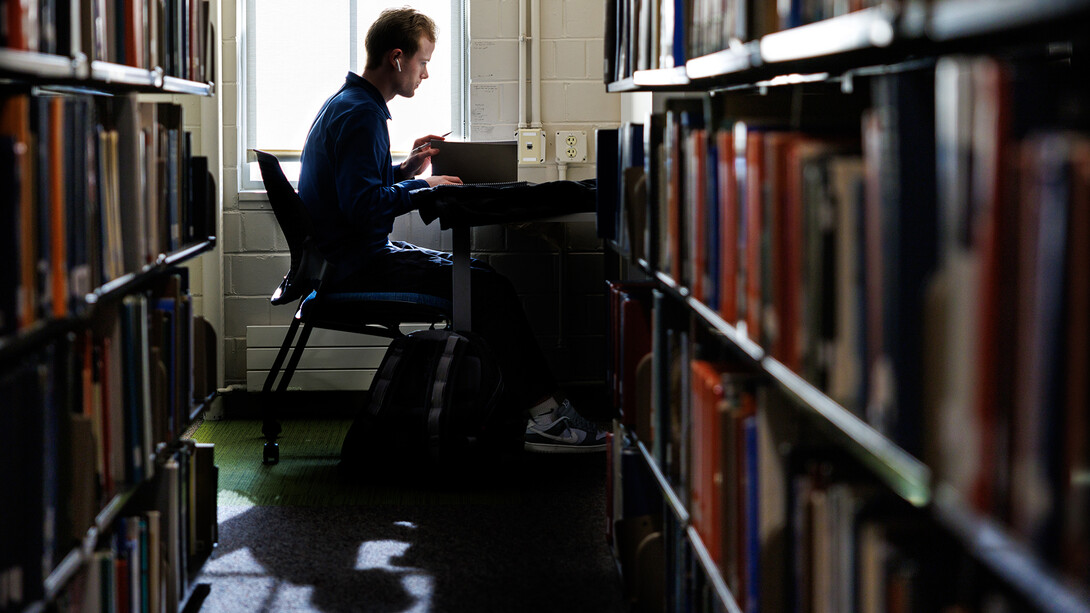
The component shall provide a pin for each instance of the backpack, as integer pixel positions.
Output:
(437, 401)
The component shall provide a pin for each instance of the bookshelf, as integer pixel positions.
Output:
(103, 362)
(861, 227)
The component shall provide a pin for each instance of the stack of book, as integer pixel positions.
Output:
(173, 35)
(100, 188)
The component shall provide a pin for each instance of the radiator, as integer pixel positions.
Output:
(331, 361)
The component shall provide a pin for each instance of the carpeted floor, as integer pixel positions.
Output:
(298, 537)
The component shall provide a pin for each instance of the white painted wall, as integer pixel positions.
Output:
(573, 96)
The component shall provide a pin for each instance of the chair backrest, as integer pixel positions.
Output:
(306, 263)
(286, 203)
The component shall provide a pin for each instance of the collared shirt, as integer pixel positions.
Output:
(347, 177)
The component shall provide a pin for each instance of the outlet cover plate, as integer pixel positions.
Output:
(571, 146)
(531, 147)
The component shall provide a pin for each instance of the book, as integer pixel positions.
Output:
(768, 468)
(728, 202)
(131, 156)
(963, 312)
(205, 487)
(82, 497)
(845, 382)
(696, 154)
(136, 386)
(54, 145)
(901, 250)
(113, 265)
(151, 192)
(154, 522)
(1074, 554)
(81, 207)
(15, 123)
(631, 210)
(707, 479)
(608, 193)
(9, 243)
(655, 171)
(609, 43)
(27, 538)
(634, 328)
(42, 207)
(1043, 217)
(173, 559)
(752, 157)
(772, 272)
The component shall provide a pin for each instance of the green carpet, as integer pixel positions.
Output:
(307, 474)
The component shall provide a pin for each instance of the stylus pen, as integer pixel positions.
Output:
(428, 144)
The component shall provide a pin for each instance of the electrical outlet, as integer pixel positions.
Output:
(571, 146)
(531, 146)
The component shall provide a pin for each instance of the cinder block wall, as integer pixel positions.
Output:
(564, 299)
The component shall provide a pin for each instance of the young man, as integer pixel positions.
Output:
(353, 192)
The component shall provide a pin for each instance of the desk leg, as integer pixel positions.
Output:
(460, 292)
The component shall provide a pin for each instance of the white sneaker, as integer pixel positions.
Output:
(562, 430)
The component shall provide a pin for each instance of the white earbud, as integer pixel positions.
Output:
(398, 64)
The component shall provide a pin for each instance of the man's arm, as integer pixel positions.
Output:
(363, 181)
(419, 160)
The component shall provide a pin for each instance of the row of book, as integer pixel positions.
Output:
(789, 523)
(148, 559)
(931, 280)
(642, 35)
(657, 34)
(88, 416)
(95, 188)
(175, 35)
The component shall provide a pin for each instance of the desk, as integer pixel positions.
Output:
(460, 292)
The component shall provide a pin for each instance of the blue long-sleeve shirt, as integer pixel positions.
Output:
(347, 177)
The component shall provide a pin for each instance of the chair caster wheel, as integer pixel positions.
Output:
(272, 453)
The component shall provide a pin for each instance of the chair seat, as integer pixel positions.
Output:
(372, 312)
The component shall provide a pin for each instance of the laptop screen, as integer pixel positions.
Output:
(476, 162)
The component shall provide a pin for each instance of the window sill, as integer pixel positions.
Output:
(253, 200)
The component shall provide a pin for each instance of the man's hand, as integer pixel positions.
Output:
(442, 180)
(420, 157)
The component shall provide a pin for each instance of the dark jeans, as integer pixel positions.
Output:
(498, 316)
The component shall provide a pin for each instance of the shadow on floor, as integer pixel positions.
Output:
(532, 543)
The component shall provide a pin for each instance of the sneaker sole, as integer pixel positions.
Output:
(560, 448)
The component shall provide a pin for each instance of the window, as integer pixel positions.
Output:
(297, 54)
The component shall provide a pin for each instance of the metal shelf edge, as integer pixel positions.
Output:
(125, 75)
(864, 29)
(1002, 554)
(624, 85)
(720, 63)
(63, 573)
(661, 77)
(712, 572)
(176, 85)
(40, 64)
(671, 497)
(953, 19)
(122, 283)
(906, 475)
(735, 336)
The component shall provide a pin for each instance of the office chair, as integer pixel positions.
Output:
(375, 313)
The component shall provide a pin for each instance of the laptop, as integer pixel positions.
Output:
(476, 162)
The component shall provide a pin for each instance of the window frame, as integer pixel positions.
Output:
(457, 31)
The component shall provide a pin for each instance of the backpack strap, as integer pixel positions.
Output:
(439, 390)
(391, 365)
